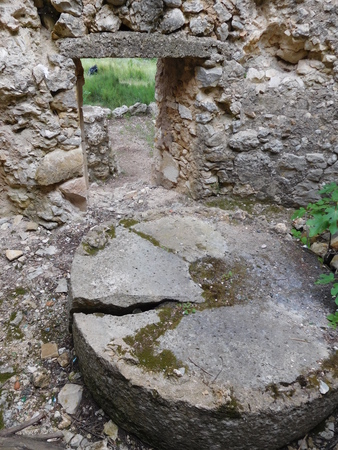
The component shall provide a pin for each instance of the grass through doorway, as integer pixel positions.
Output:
(119, 81)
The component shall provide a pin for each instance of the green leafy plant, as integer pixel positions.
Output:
(322, 216)
(187, 308)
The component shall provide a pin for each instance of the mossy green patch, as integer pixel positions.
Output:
(128, 223)
(331, 364)
(92, 251)
(230, 410)
(14, 333)
(2, 423)
(143, 344)
(248, 205)
(223, 285)
(20, 291)
(230, 204)
(5, 376)
(111, 232)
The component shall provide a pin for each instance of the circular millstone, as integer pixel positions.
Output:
(250, 365)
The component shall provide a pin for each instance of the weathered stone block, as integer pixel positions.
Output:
(208, 77)
(172, 21)
(73, 7)
(59, 166)
(244, 141)
(106, 20)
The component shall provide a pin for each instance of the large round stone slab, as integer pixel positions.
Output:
(251, 376)
(250, 365)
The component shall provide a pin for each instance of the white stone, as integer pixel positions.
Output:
(11, 255)
(111, 429)
(184, 112)
(106, 20)
(70, 397)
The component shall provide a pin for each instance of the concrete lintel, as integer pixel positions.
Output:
(141, 45)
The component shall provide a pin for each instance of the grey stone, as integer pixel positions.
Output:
(317, 159)
(244, 141)
(138, 109)
(124, 44)
(184, 112)
(222, 13)
(73, 7)
(171, 233)
(41, 378)
(192, 6)
(222, 32)
(70, 26)
(291, 161)
(70, 397)
(151, 274)
(106, 20)
(119, 112)
(172, 20)
(173, 3)
(208, 77)
(59, 166)
(201, 26)
(62, 286)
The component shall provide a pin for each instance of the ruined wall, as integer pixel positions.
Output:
(257, 118)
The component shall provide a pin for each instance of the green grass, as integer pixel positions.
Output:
(119, 81)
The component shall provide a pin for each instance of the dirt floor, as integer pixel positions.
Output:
(33, 311)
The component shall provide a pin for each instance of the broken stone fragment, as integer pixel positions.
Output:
(106, 20)
(49, 350)
(11, 255)
(73, 7)
(111, 429)
(208, 77)
(76, 192)
(59, 166)
(69, 26)
(41, 378)
(319, 248)
(70, 397)
(172, 21)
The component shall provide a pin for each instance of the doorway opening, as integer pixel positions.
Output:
(119, 113)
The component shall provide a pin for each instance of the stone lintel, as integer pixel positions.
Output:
(140, 45)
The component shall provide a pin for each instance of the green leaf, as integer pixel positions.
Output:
(336, 300)
(325, 279)
(328, 188)
(298, 214)
(296, 234)
(334, 195)
(317, 225)
(331, 216)
(334, 290)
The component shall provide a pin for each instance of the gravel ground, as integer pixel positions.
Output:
(33, 301)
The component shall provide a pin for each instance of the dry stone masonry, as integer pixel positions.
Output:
(246, 91)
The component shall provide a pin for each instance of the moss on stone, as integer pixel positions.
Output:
(5, 376)
(128, 223)
(230, 410)
(111, 232)
(143, 344)
(331, 364)
(223, 285)
(91, 251)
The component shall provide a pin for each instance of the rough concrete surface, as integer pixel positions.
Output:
(127, 273)
(243, 374)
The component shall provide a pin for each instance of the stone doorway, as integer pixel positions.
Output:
(119, 133)
(177, 158)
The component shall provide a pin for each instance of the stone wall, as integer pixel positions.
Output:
(247, 103)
